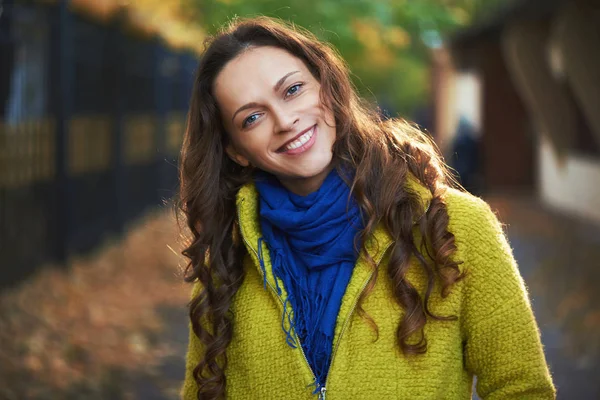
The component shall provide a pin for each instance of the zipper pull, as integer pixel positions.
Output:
(322, 393)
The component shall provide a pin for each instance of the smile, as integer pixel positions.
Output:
(300, 143)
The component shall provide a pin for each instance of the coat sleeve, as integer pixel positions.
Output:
(502, 345)
(194, 353)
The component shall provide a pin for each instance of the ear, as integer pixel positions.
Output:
(236, 156)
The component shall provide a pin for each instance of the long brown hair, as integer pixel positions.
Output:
(364, 142)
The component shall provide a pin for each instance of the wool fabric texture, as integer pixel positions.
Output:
(311, 245)
(494, 337)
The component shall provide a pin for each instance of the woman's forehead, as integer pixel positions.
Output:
(255, 71)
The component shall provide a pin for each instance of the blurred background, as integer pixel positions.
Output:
(93, 101)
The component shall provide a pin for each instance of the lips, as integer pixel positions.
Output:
(297, 137)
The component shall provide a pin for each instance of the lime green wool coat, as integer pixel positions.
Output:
(495, 336)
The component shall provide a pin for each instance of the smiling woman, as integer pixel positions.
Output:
(331, 253)
(271, 108)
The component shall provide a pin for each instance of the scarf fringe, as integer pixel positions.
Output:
(262, 262)
(290, 328)
(314, 342)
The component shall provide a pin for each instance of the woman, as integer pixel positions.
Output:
(330, 254)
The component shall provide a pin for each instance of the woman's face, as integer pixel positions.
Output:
(271, 108)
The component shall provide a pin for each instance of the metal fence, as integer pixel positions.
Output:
(91, 121)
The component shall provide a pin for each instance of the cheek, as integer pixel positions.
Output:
(327, 116)
(324, 112)
(330, 118)
(256, 141)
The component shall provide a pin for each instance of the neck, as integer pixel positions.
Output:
(306, 186)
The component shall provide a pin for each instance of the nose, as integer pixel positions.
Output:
(285, 121)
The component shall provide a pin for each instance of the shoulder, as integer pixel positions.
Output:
(479, 235)
(471, 217)
(464, 204)
(483, 247)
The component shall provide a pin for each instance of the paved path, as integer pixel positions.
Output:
(165, 381)
(559, 258)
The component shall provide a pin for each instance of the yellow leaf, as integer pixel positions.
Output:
(367, 33)
(460, 15)
(397, 37)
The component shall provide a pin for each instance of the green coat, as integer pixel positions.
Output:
(495, 336)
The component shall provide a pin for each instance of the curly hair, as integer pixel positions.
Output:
(210, 180)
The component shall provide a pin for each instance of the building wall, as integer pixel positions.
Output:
(507, 148)
(559, 83)
(534, 85)
(443, 77)
(570, 185)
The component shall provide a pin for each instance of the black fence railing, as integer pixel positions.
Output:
(91, 121)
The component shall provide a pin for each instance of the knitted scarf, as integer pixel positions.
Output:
(311, 243)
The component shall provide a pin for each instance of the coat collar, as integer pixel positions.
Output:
(247, 202)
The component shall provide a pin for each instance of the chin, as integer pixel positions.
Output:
(316, 165)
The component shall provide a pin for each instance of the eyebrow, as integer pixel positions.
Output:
(280, 82)
(275, 88)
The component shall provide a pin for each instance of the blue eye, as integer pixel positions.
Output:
(293, 89)
(250, 120)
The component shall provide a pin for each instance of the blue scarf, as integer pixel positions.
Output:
(311, 243)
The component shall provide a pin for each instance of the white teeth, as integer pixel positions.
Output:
(300, 141)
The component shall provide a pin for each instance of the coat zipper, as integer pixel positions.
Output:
(323, 389)
(337, 345)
